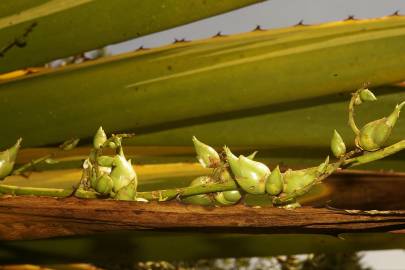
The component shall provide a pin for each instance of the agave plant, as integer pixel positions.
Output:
(118, 91)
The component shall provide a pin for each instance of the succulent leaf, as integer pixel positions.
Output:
(194, 64)
(58, 15)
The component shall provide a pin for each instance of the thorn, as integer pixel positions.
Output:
(258, 28)
(219, 34)
(179, 40)
(30, 29)
(20, 42)
(141, 48)
(350, 18)
(396, 13)
(301, 23)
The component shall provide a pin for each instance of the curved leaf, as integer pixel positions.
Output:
(54, 29)
(195, 82)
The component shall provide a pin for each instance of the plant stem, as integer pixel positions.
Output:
(215, 187)
(86, 194)
(292, 196)
(30, 164)
(52, 192)
(373, 156)
(168, 194)
(352, 123)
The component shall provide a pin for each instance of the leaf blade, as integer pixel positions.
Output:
(110, 22)
(182, 83)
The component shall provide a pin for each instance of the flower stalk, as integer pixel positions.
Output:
(231, 177)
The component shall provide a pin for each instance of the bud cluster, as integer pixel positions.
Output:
(111, 176)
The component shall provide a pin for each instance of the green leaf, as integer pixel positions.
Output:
(158, 246)
(302, 124)
(206, 81)
(60, 28)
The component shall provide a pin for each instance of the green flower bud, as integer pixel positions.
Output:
(234, 160)
(95, 174)
(99, 138)
(201, 180)
(337, 145)
(69, 144)
(275, 182)
(225, 176)
(228, 197)
(105, 161)
(250, 175)
(138, 199)
(374, 134)
(127, 193)
(104, 184)
(104, 169)
(112, 145)
(201, 199)
(123, 173)
(7, 159)
(51, 161)
(206, 155)
(295, 181)
(93, 180)
(252, 156)
(367, 95)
